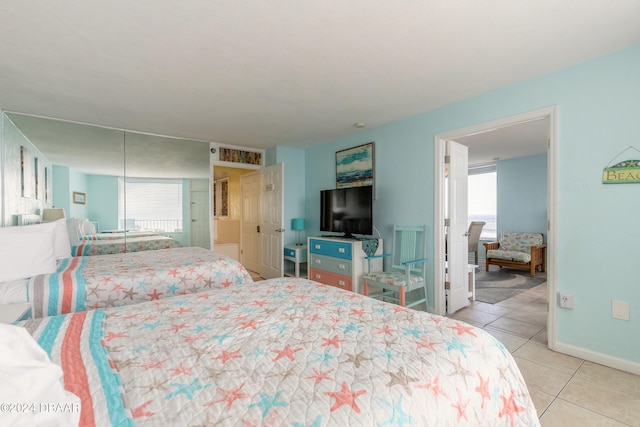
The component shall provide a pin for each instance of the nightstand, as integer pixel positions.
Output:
(10, 313)
(298, 256)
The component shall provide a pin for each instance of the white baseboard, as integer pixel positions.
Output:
(599, 358)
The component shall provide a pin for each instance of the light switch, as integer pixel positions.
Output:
(620, 310)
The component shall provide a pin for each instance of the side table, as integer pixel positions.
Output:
(296, 254)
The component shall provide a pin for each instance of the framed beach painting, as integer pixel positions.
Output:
(355, 166)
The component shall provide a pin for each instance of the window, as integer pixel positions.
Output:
(151, 205)
(482, 198)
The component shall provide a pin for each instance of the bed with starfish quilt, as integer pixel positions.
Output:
(124, 244)
(89, 282)
(116, 235)
(286, 352)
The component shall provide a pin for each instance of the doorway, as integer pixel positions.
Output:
(549, 114)
(226, 209)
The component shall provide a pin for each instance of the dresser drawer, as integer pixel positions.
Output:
(332, 265)
(331, 248)
(333, 279)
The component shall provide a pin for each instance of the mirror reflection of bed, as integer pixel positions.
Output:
(116, 170)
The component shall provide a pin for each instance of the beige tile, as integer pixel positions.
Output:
(475, 317)
(542, 378)
(540, 354)
(489, 308)
(511, 342)
(613, 404)
(511, 303)
(536, 293)
(541, 337)
(536, 308)
(516, 327)
(528, 317)
(541, 400)
(610, 378)
(565, 414)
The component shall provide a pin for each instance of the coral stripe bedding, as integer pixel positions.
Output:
(83, 283)
(288, 352)
(122, 245)
(117, 235)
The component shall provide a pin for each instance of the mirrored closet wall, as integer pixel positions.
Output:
(119, 180)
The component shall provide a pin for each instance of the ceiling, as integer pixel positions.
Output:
(261, 73)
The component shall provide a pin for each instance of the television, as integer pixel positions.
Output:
(347, 210)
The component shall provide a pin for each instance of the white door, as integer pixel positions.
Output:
(250, 222)
(200, 219)
(271, 220)
(457, 239)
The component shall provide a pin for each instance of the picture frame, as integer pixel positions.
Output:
(27, 177)
(47, 199)
(36, 172)
(355, 167)
(79, 198)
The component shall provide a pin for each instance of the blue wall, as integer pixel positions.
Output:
(294, 187)
(522, 194)
(78, 183)
(61, 194)
(598, 113)
(102, 197)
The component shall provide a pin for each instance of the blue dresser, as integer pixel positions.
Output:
(339, 262)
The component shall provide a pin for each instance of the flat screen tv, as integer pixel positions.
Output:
(347, 210)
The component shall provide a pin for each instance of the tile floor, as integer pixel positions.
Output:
(566, 391)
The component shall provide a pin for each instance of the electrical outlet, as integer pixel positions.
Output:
(566, 299)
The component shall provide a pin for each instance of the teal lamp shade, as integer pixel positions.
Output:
(297, 224)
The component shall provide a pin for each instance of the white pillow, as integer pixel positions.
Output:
(26, 252)
(28, 377)
(88, 228)
(73, 231)
(62, 247)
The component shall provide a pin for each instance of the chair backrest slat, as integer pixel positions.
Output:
(409, 244)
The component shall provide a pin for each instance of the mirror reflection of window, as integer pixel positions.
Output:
(151, 205)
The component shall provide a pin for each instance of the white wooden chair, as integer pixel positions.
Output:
(407, 272)
(475, 230)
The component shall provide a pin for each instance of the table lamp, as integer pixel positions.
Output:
(297, 224)
(52, 214)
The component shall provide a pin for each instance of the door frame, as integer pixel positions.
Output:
(216, 161)
(550, 113)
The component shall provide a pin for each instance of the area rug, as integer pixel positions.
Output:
(495, 286)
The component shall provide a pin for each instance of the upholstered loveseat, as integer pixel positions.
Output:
(518, 250)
